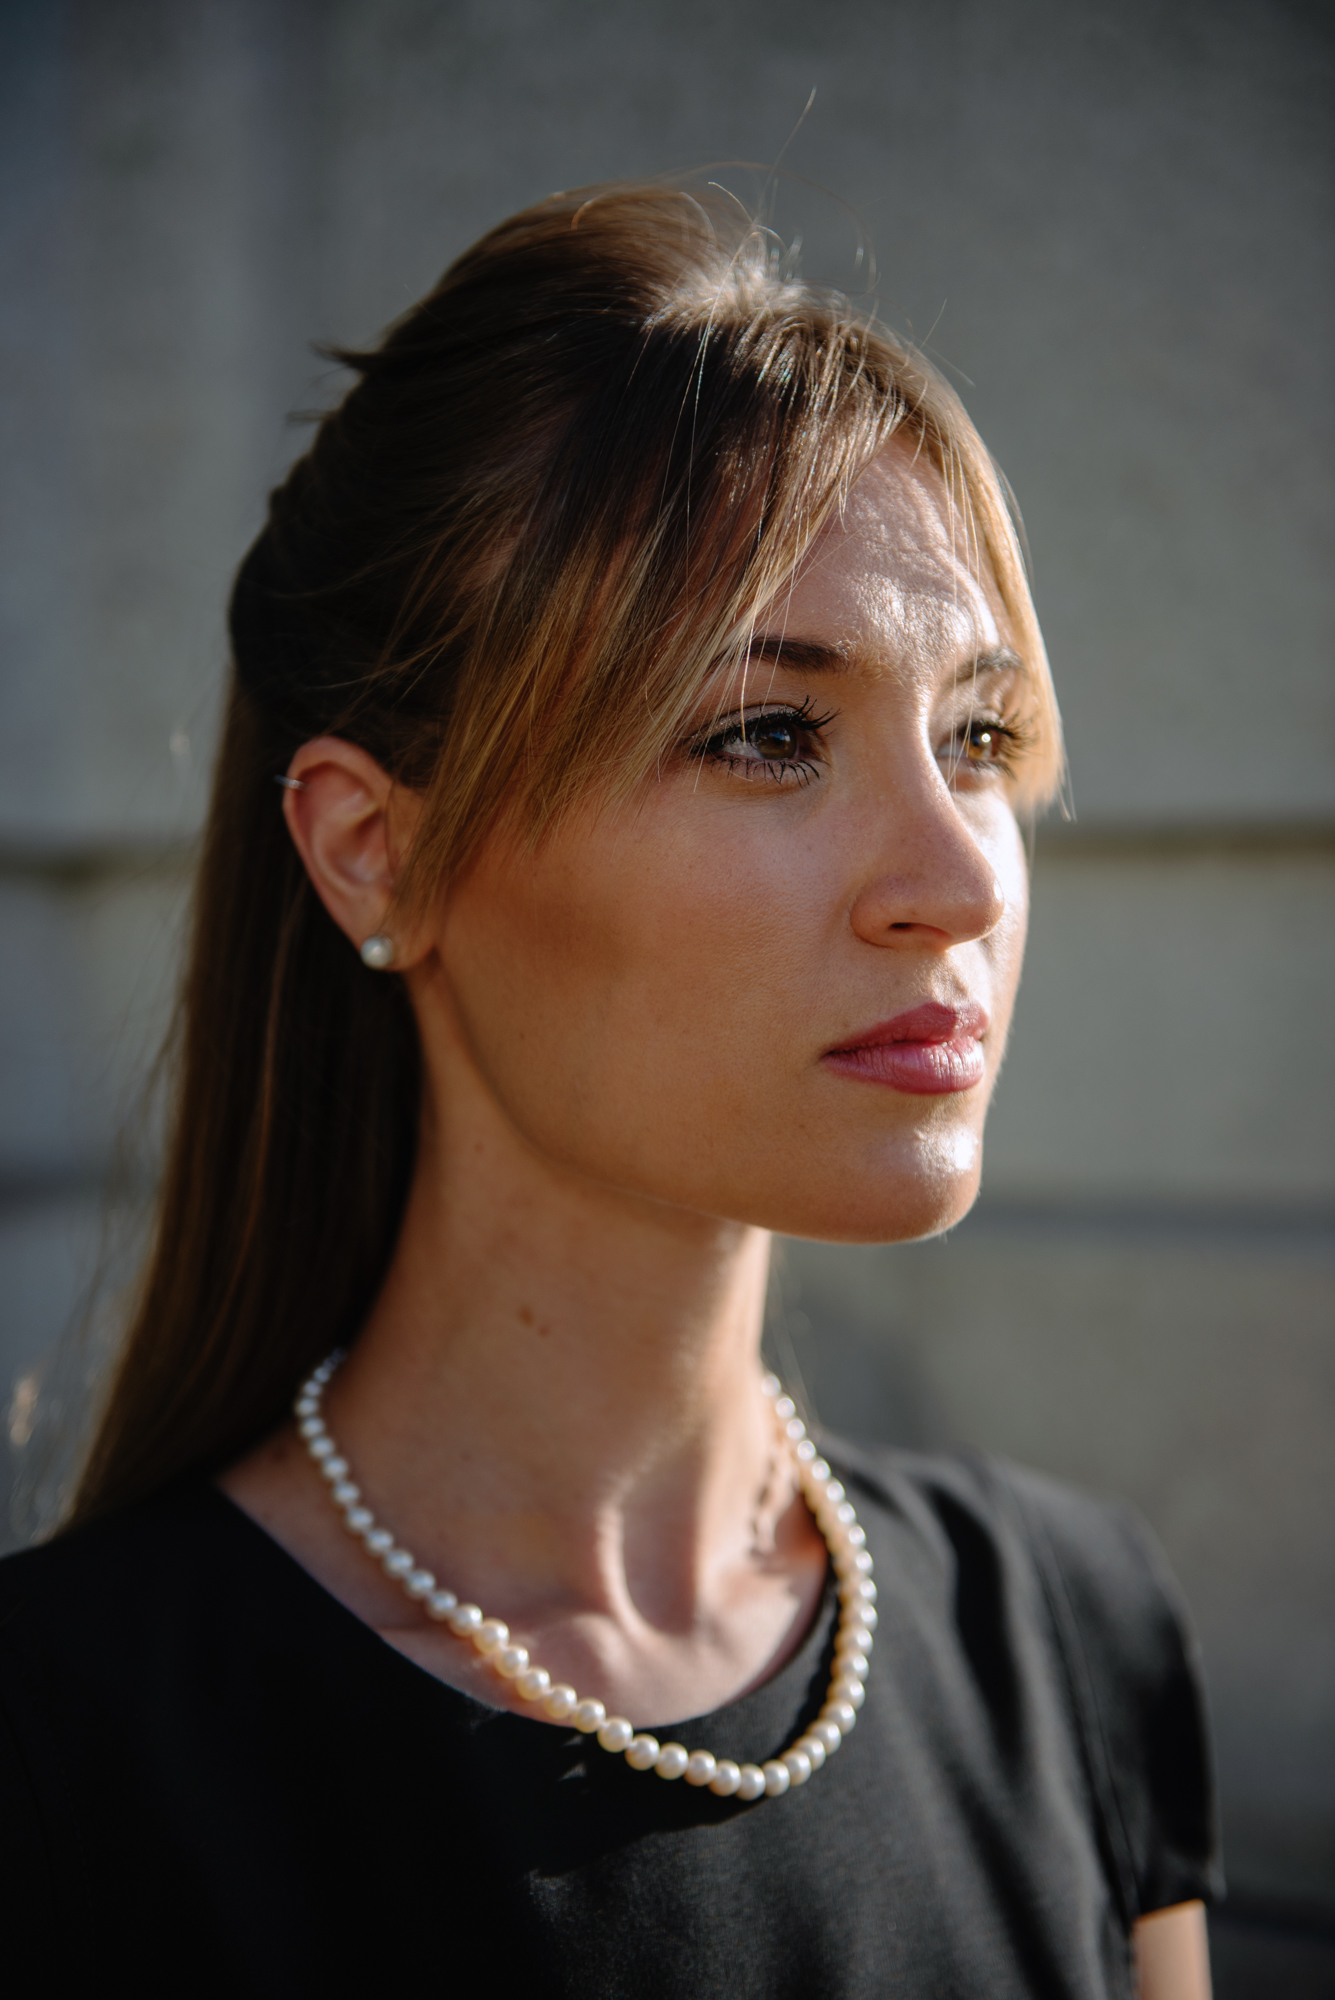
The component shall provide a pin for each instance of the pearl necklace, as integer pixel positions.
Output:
(844, 1537)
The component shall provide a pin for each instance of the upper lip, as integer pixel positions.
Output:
(932, 1021)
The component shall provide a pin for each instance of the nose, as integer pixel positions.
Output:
(928, 883)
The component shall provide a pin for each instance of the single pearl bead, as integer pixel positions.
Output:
(561, 1702)
(334, 1468)
(853, 1638)
(797, 1764)
(311, 1427)
(379, 1541)
(441, 1603)
(806, 1451)
(616, 1734)
(858, 1590)
(841, 1713)
(862, 1563)
(834, 1493)
(853, 1666)
(491, 1635)
(867, 1618)
(819, 1471)
(700, 1767)
(856, 1537)
(420, 1583)
(751, 1784)
(510, 1661)
(777, 1778)
(844, 1688)
(642, 1753)
(358, 1519)
(533, 1683)
(307, 1405)
(771, 1384)
(795, 1430)
(727, 1778)
(672, 1760)
(588, 1716)
(397, 1563)
(813, 1749)
(346, 1494)
(828, 1733)
(784, 1408)
(321, 1447)
(464, 1620)
(845, 1515)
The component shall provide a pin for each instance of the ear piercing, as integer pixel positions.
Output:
(378, 952)
(292, 784)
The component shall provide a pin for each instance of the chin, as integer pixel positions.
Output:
(897, 1201)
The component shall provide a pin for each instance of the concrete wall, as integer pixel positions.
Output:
(1112, 222)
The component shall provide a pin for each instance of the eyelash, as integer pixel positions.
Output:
(1016, 737)
(802, 770)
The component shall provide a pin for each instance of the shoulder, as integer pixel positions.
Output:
(1086, 1573)
(109, 1567)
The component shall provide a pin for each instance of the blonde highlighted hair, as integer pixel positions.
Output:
(563, 488)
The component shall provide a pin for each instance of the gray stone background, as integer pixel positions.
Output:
(1112, 224)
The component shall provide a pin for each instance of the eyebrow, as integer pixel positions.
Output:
(818, 656)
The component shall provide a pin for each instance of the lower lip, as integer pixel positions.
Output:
(923, 1069)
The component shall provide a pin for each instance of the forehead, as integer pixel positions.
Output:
(892, 578)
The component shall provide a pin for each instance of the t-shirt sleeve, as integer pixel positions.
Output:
(1135, 1682)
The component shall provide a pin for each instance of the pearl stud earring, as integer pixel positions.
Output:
(378, 952)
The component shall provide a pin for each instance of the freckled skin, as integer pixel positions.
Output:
(648, 997)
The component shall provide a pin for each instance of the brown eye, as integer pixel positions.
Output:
(986, 743)
(774, 738)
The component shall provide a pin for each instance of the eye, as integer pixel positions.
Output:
(779, 743)
(986, 743)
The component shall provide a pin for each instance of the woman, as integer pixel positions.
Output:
(645, 659)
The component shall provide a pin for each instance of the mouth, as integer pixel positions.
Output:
(929, 1051)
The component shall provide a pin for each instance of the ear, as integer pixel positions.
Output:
(350, 824)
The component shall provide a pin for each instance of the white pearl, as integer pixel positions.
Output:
(321, 1448)
(672, 1760)
(510, 1662)
(844, 1688)
(834, 1493)
(358, 1519)
(828, 1733)
(797, 1764)
(588, 1716)
(397, 1563)
(867, 1618)
(441, 1603)
(491, 1635)
(856, 1537)
(853, 1638)
(777, 1778)
(533, 1683)
(784, 1408)
(345, 1494)
(858, 1590)
(841, 1713)
(311, 1427)
(771, 1385)
(806, 1451)
(853, 1666)
(813, 1750)
(795, 1430)
(419, 1583)
(616, 1734)
(464, 1620)
(561, 1701)
(862, 1563)
(379, 1541)
(845, 1514)
(751, 1784)
(642, 1753)
(334, 1468)
(700, 1767)
(819, 1471)
(307, 1406)
(727, 1778)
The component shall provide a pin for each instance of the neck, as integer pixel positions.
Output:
(559, 1384)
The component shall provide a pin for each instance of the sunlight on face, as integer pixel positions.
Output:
(775, 986)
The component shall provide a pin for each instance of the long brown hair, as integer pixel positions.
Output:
(562, 487)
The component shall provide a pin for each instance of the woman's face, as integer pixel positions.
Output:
(775, 985)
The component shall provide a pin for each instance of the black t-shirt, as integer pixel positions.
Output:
(214, 1779)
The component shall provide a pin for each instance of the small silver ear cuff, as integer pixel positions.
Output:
(291, 784)
(378, 952)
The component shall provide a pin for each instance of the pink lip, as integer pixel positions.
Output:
(928, 1051)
